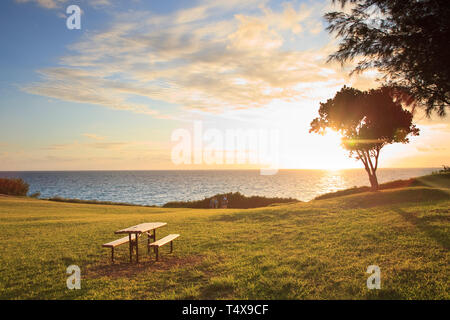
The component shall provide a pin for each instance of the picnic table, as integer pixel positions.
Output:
(138, 230)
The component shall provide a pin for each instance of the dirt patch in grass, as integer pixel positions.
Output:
(7, 196)
(128, 270)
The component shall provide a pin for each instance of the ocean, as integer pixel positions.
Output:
(159, 187)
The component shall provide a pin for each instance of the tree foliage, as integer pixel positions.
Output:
(408, 40)
(13, 187)
(367, 121)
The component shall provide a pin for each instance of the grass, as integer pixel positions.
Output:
(437, 179)
(60, 199)
(236, 200)
(315, 250)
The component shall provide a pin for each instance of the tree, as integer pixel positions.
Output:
(367, 121)
(407, 40)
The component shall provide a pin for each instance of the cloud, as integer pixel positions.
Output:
(289, 18)
(108, 145)
(48, 4)
(95, 145)
(99, 3)
(207, 58)
(84, 87)
(61, 146)
(57, 4)
(93, 136)
(430, 149)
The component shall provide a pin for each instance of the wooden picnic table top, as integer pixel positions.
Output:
(143, 227)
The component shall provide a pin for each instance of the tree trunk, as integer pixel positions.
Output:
(370, 169)
(373, 181)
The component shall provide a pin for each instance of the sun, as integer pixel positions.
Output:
(337, 156)
(298, 148)
(318, 152)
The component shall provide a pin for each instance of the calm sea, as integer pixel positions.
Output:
(159, 187)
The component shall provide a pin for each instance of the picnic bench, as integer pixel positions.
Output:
(163, 241)
(137, 231)
(114, 244)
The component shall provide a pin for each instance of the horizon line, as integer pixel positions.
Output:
(281, 169)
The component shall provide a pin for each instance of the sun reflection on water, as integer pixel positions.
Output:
(332, 180)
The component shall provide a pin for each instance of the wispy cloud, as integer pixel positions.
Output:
(81, 86)
(196, 59)
(49, 4)
(93, 136)
(430, 149)
(61, 146)
(95, 145)
(108, 145)
(56, 4)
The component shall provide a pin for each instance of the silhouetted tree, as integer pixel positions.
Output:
(367, 121)
(407, 40)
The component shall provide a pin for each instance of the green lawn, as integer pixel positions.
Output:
(315, 250)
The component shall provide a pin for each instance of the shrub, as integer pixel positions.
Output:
(60, 199)
(446, 169)
(35, 195)
(236, 200)
(13, 187)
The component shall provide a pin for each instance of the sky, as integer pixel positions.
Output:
(116, 94)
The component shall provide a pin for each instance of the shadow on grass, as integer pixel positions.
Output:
(262, 216)
(392, 197)
(218, 288)
(384, 294)
(437, 233)
(127, 269)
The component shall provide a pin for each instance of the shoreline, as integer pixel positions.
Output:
(415, 181)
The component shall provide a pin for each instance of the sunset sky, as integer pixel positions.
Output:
(109, 96)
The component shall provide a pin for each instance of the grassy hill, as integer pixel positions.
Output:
(315, 250)
(437, 180)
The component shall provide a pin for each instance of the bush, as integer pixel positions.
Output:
(236, 200)
(446, 169)
(13, 187)
(60, 199)
(35, 195)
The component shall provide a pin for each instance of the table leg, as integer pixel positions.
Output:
(131, 247)
(137, 249)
